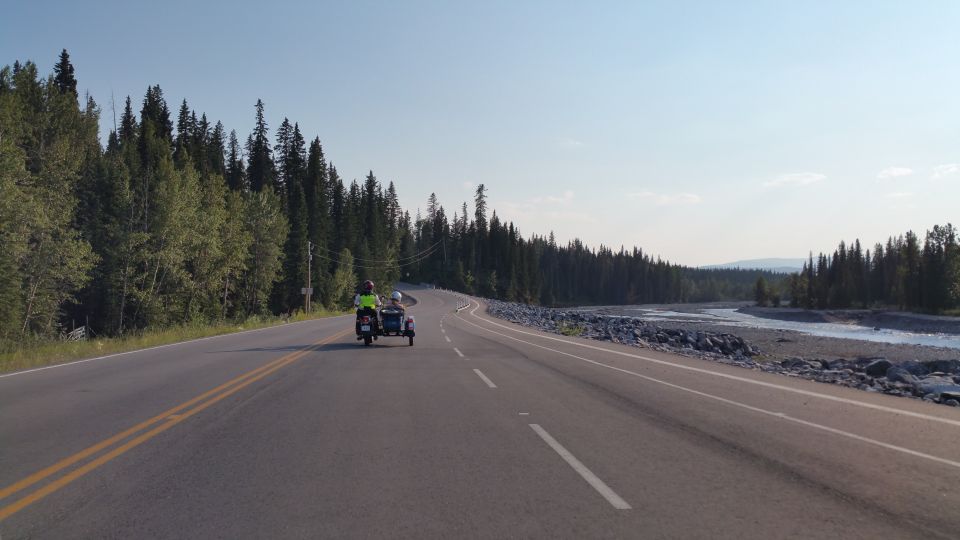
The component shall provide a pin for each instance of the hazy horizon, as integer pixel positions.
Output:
(701, 133)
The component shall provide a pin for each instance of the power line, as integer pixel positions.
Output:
(398, 264)
(414, 256)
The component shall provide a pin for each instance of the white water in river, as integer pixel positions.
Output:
(730, 317)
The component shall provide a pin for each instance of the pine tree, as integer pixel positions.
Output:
(128, 125)
(199, 143)
(184, 138)
(282, 151)
(217, 150)
(338, 211)
(393, 210)
(236, 174)
(433, 204)
(317, 197)
(63, 75)
(480, 209)
(260, 170)
(293, 173)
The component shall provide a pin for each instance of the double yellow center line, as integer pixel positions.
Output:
(162, 422)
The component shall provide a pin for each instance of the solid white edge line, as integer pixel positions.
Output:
(765, 384)
(596, 483)
(485, 378)
(780, 415)
(456, 350)
(155, 347)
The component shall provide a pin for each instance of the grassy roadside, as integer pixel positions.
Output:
(47, 353)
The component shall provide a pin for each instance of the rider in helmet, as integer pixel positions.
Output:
(367, 302)
(396, 300)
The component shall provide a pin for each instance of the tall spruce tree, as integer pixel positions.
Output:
(260, 169)
(236, 174)
(317, 197)
(293, 175)
(217, 150)
(63, 75)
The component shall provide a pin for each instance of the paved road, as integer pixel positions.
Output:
(482, 429)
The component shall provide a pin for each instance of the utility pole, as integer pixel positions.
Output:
(308, 290)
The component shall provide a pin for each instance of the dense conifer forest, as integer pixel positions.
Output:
(903, 273)
(176, 219)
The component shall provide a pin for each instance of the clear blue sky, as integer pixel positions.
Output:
(701, 131)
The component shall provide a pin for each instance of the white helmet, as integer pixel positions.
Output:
(396, 296)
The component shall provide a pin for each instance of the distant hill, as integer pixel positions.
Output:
(785, 266)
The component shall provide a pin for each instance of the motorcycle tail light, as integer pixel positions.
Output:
(365, 320)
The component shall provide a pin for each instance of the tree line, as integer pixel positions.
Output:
(490, 257)
(904, 273)
(175, 220)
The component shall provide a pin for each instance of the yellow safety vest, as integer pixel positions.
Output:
(368, 301)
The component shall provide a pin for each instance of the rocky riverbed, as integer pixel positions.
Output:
(926, 373)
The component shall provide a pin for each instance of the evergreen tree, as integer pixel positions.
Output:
(260, 170)
(184, 138)
(480, 209)
(217, 150)
(236, 175)
(317, 197)
(293, 175)
(63, 75)
(128, 125)
(338, 211)
(282, 151)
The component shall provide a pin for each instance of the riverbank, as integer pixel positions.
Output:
(915, 371)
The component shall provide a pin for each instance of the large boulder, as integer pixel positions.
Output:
(899, 374)
(938, 386)
(878, 368)
(914, 368)
(943, 366)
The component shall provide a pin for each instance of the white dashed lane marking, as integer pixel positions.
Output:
(592, 479)
(485, 378)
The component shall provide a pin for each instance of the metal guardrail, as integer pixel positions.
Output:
(463, 302)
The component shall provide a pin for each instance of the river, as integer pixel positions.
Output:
(733, 318)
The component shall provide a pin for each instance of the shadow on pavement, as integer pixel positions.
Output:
(265, 349)
(358, 345)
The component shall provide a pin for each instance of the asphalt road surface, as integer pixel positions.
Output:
(481, 429)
